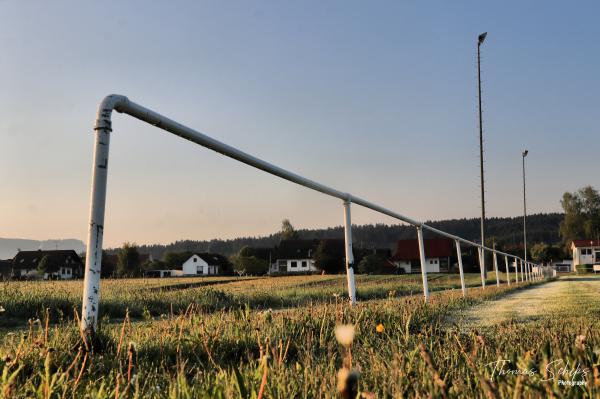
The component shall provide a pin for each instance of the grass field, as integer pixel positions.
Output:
(222, 340)
(23, 300)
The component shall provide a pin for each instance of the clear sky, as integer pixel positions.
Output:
(375, 98)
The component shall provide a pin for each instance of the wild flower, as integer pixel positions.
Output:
(132, 346)
(580, 342)
(379, 328)
(2, 310)
(344, 334)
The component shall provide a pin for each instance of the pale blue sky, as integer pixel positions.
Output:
(376, 98)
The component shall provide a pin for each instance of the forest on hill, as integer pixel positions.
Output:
(507, 232)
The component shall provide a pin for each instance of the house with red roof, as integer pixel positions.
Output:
(585, 252)
(437, 255)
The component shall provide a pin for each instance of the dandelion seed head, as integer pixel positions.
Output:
(344, 334)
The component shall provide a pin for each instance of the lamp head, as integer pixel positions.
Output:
(525, 153)
(481, 38)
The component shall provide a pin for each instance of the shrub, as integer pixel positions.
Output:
(585, 268)
(371, 264)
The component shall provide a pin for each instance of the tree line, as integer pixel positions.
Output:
(549, 237)
(505, 231)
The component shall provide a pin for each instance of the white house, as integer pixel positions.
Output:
(203, 264)
(437, 255)
(585, 252)
(295, 256)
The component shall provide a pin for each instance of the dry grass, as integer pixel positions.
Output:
(24, 300)
(293, 353)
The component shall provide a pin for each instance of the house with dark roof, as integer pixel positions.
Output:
(585, 252)
(297, 256)
(58, 264)
(6, 269)
(437, 255)
(203, 264)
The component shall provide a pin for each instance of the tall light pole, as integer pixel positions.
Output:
(524, 154)
(480, 41)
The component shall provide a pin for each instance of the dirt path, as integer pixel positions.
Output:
(567, 294)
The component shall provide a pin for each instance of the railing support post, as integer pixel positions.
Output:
(349, 254)
(521, 270)
(93, 258)
(423, 264)
(496, 269)
(460, 268)
(481, 252)
(507, 269)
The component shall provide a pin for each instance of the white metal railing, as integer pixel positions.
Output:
(122, 104)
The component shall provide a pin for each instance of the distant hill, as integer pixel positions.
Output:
(10, 246)
(506, 231)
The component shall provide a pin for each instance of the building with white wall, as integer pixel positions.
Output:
(203, 264)
(585, 252)
(437, 255)
(47, 265)
(295, 256)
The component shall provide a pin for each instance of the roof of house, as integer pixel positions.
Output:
(55, 259)
(304, 249)
(268, 254)
(212, 259)
(585, 243)
(362, 252)
(434, 248)
(296, 249)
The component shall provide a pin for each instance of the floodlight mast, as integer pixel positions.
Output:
(103, 127)
(480, 40)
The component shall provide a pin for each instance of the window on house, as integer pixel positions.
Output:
(304, 263)
(282, 263)
(199, 270)
(195, 259)
(293, 264)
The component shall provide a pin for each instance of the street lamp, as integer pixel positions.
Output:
(480, 41)
(524, 154)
